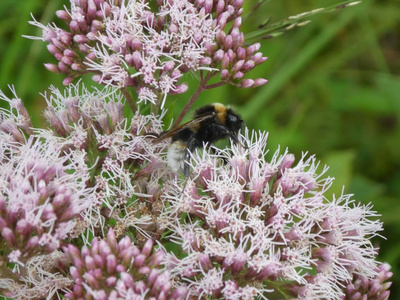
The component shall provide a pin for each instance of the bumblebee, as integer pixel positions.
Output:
(210, 124)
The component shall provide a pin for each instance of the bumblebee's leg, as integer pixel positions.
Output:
(190, 148)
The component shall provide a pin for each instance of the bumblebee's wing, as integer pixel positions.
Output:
(174, 131)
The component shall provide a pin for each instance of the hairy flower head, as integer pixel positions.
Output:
(41, 194)
(253, 221)
(129, 44)
(119, 270)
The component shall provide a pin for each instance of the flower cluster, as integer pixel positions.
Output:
(90, 125)
(125, 43)
(119, 270)
(42, 278)
(376, 288)
(15, 123)
(252, 225)
(41, 194)
(229, 53)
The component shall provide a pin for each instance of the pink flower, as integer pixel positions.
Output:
(266, 221)
(42, 194)
(112, 270)
(127, 44)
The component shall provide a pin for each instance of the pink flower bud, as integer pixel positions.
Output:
(220, 36)
(98, 260)
(259, 82)
(83, 48)
(91, 10)
(78, 291)
(237, 23)
(153, 276)
(235, 33)
(140, 287)
(98, 274)
(52, 68)
(74, 26)
(145, 270)
(63, 15)
(248, 66)
(173, 28)
(127, 279)
(32, 243)
(83, 26)
(99, 3)
(240, 53)
(206, 61)
(92, 36)
(156, 258)
(209, 48)
(111, 240)
(80, 38)
(205, 262)
(208, 5)
(232, 56)
(67, 60)
(65, 37)
(182, 88)
(246, 83)
(111, 281)
(175, 74)
(53, 49)
(169, 66)
(8, 235)
(89, 263)
(75, 273)
(63, 67)
(257, 187)
(238, 75)
(221, 22)
(91, 280)
(228, 42)
(125, 244)
(238, 65)
(97, 78)
(127, 255)
(225, 62)
(96, 26)
(23, 228)
(137, 60)
(220, 7)
(219, 55)
(111, 263)
(224, 74)
(238, 3)
(252, 49)
(76, 67)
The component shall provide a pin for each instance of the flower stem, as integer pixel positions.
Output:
(214, 85)
(129, 98)
(193, 99)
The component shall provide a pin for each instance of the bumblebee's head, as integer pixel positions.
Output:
(228, 117)
(233, 121)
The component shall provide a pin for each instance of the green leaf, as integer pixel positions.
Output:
(340, 167)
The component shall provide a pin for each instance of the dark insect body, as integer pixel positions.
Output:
(210, 124)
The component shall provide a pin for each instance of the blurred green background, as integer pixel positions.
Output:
(334, 91)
